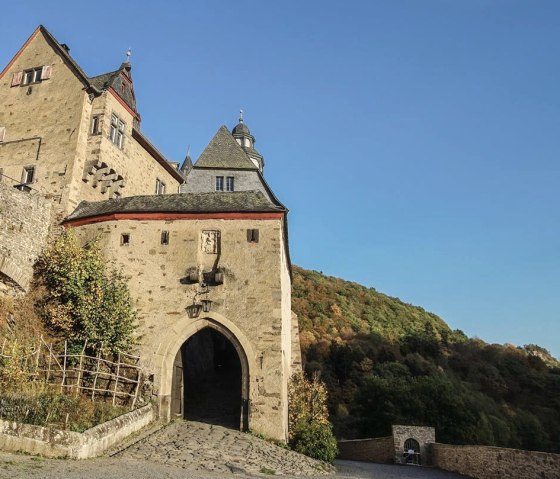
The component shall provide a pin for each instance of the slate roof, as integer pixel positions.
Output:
(102, 81)
(115, 81)
(224, 152)
(215, 202)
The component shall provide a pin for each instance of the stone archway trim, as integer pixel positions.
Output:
(183, 330)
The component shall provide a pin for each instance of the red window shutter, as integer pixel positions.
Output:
(46, 72)
(17, 78)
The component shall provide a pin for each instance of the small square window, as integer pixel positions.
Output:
(253, 236)
(219, 183)
(165, 237)
(28, 174)
(125, 239)
(229, 183)
(96, 125)
(32, 76)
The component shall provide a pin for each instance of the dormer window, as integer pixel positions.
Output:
(116, 134)
(229, 183)
(219, 183)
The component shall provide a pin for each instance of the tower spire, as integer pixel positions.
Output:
(243, 136)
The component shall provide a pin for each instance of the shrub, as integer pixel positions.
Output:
(315, 440)
(310, 431)
(83, 300)
(13, 375)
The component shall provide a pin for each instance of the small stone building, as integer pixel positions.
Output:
(405, 445)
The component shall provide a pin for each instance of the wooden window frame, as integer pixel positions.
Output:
(219, 183)
(116, 131)
(25, 175)
(230, 183)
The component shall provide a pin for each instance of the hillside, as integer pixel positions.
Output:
(387, 362)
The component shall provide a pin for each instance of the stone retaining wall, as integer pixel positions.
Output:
(48, 442)
(485, 462)
(379, 449)
(24, 226)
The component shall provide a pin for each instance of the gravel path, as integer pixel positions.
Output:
(190, 450)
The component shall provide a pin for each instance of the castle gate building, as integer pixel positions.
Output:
(204, 247)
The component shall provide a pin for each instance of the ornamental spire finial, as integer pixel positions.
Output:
(128, 53)
(240, 116)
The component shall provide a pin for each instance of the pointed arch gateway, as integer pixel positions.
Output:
(206, 373)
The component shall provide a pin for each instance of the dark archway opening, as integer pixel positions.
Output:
(207, 380)
(412, 451)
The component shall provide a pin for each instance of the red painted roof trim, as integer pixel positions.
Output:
(173, 216)
(122, 102)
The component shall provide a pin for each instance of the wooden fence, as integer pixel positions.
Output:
(118, 379)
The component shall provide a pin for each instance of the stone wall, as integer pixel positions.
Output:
(485, 462)
(48, 442)
(48, 127)
(379, 449)
(24, 226)
(253, 303)
(131, 169)
(42, 121)
(391, 448)
(201, 180)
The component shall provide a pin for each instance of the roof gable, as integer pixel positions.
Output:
(224, 152)
(120, 81)
(59, 50)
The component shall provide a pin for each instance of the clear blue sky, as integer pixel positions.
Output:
(416, 143)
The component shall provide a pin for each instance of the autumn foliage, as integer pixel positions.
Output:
(310, 431)
(386, 362)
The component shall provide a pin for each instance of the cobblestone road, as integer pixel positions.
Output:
(189, 450)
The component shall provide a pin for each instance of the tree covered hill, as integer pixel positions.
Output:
(386, 362)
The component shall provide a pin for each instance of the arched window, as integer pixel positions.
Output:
(412, 451)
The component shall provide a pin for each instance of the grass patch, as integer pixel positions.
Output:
(50, 407)
(266, 470)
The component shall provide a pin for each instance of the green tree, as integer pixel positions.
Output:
(84, 301)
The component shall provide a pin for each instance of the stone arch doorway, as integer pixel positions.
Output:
(412, 451)
(210, 380)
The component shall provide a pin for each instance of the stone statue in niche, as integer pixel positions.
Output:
(210, 241)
